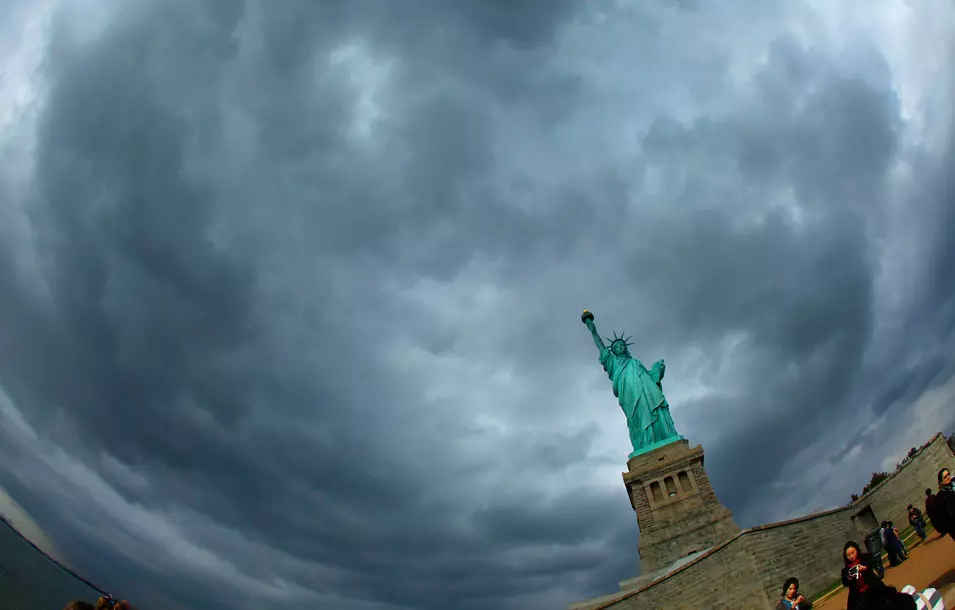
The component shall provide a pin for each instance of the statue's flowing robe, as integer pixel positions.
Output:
(639, 394)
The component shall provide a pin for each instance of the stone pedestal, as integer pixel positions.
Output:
(677, 511)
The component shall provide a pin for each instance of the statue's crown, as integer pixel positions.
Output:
(620, 339)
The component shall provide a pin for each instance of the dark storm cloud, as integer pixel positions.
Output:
(344, 368)
(909, 383)
(157, 338)
(800, 292)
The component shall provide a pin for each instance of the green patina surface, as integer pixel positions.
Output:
(639, 391)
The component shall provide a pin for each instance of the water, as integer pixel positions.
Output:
(29, 580)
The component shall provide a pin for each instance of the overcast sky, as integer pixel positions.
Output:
(291, 289)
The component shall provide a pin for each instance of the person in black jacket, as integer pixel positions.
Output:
(945, 504)
(931, 511)
(866, 589)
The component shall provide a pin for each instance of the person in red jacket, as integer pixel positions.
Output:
(866, 589)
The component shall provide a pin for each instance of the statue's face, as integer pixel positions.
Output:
(619, 348)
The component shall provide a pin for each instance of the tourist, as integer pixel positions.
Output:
(866, 589)
(890, 544)
(104, 603)
(917, 522)
(945, 504)
(931, 511)
(791, 599)
(899, 543)
(108, 603)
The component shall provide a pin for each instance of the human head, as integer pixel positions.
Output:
(928, 491)
(790, 588)
(910, 507)
(107, 602)
(851, 552)
(944, 476)
(885, 524)
(78, 605)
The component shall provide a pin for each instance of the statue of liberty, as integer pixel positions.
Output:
(639, 391)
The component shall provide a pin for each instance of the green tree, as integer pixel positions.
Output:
(877, 477)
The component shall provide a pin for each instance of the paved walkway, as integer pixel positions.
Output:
(930, 564)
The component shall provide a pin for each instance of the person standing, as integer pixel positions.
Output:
(945, 503)
(866, 589)
(931, 511)
(890, 544)
(917, 522)
(899, 543)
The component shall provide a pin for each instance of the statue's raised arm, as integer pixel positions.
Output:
(588, 319)
(639, 391)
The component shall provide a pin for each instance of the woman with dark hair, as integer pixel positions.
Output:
(108, 603)
(866, 589)
(944, 505)
(791, 599)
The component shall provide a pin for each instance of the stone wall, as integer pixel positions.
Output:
(677, 509)
(808, 548)
(890, 499)
(720, 579)
(748, 571)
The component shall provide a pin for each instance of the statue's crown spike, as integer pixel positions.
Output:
(621, 338)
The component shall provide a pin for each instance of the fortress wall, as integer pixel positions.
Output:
(808, 548)
(890, 499)
(721, 579)
(748, 571)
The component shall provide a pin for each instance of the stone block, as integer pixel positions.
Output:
(677, 511)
